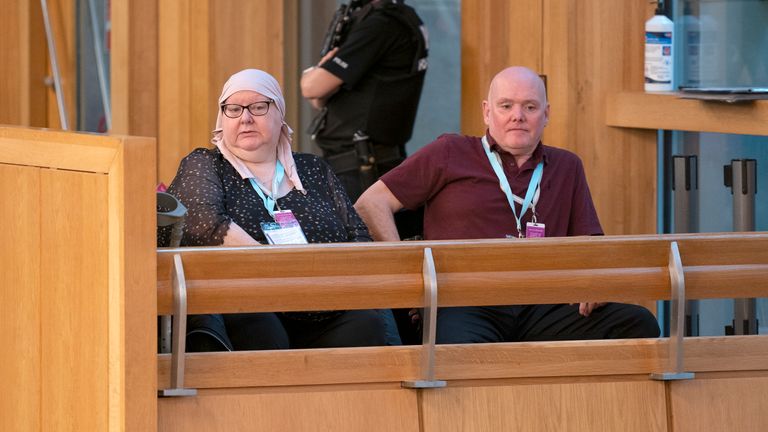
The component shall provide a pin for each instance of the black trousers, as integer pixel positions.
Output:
(270, 331)
(551, 322)
(259, 331)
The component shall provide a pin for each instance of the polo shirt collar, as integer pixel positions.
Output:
(541, 152)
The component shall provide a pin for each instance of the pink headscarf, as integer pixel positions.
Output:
(264, 84)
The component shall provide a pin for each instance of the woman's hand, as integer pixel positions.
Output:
(237, 236)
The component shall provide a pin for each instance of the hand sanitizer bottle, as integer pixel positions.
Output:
(659, 60)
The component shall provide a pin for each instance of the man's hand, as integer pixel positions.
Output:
(586, 308)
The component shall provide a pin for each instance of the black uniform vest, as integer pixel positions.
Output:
(384, 108)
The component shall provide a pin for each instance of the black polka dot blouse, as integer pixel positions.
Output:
(215, 194)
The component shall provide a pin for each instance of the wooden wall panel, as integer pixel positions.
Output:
(495, 34)
(120, 66)
(75, 302)
(20, 298)
(559, 36)
(201, 44)
(609, 406)
(251, 38)
(185, 105)
(588, 50)
(725, 404)
(134, 66)
(292, 68)
(593, 49)
(22, 64)
(367, 410)
(12, 49)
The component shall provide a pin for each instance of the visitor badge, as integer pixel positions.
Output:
(284, 230)
(285, 218)
(533, 229)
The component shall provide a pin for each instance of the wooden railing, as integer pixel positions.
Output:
(397, 275)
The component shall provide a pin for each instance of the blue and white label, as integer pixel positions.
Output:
(658, 57)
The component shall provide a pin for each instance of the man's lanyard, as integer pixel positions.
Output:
(531, 195)
(270, 202)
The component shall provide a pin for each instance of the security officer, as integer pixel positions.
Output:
(367, 88)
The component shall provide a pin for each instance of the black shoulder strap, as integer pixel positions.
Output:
(408, 17)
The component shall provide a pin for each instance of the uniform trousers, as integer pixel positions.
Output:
(353, 181)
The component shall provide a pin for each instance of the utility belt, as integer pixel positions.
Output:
(365, 158)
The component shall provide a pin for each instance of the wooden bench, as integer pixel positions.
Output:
(578, 385)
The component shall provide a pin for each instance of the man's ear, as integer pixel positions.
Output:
(486, 112)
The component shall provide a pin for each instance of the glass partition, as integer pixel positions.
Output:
(720, 43)
(93, 95)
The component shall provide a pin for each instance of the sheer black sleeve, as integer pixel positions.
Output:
(198, 185)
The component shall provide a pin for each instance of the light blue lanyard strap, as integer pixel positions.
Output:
(270, 201)
(533, 186)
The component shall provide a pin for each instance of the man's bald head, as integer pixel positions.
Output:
(518, 74)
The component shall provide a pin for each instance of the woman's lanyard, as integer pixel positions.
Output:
(531, 195)
(269, 201)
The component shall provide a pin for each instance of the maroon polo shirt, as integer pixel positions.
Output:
(453, 178)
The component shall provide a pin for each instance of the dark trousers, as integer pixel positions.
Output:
(543, 323)
(270, 331)
(258, 331)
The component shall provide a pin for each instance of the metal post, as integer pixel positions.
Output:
(685, 185)
(178, 354)
(675, 351)
(429, 321)
(741, 177)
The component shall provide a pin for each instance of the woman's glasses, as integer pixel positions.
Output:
(256, 109)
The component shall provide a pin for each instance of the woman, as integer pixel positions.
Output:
(251, 189)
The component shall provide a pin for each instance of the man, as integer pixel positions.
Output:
(368, 90)
(505, 184)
